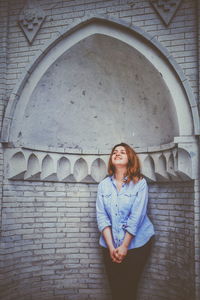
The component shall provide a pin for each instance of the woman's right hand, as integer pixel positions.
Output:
(114, 255)
(108, 238)
(112, 250)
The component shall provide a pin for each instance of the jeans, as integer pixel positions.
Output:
(124, 277)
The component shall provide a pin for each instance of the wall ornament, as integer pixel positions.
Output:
(172, 162)
(166, 9)
(30, 20)
(31, 161)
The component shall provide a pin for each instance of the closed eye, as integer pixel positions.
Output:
(121, 152)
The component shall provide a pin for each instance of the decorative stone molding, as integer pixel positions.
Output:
(31, 19)
(184, 100)
(170, 164)
(166, 9)
(177, 162)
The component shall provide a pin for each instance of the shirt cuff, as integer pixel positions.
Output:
(131, 230)
(104, 225)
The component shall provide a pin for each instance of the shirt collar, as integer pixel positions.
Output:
(112, 178)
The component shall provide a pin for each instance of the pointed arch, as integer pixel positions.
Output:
(153, 51)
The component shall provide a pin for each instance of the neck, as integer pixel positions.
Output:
(120, 173)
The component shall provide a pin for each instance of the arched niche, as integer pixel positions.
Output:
(98, 84)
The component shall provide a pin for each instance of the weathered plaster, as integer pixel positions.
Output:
(98, 93)
(183, 99)
(79, 113)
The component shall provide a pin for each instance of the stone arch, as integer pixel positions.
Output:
(17, 165)
(98, 169)
(48, 168)
(80, 169)
(33, 168)
(148, 47)
(63, 168)
(184, 163)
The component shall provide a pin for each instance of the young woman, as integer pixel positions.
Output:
(126, 231)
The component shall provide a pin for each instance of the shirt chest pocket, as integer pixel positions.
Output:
(107, 199)
(127, 202)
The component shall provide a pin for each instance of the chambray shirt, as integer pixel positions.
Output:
(124, 210)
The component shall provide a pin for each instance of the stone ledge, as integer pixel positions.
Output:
(171, 164)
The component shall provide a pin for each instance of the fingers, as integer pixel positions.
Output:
(116, 260)
(120, 253)
(114, 256)
(117, 256)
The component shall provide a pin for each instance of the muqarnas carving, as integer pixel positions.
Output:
(22, 164)
(31, 19)
(166, 9)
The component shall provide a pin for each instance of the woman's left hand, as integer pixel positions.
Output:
(120, 253)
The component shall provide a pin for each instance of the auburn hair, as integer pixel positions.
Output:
(133, 166)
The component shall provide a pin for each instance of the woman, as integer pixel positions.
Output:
(126, 231)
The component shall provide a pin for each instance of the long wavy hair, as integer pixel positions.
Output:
(133, 166)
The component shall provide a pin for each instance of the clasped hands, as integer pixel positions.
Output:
(118, 254)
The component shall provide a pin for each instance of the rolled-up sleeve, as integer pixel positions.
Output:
(102, 216)
(138, 209)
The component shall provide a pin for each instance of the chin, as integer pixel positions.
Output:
(121, 163)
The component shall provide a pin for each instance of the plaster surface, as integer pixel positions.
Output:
(99, 92)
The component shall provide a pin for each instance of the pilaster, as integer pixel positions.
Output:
(3, 68)
(197, 182)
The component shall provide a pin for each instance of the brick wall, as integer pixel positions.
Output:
(51, 243)
(180, 37)
(3, 69)
(172, 211)
(49, 234)
(197, 234)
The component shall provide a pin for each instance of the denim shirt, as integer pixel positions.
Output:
(124, 210)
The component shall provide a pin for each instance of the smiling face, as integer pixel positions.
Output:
(124, 157)
(119, 156)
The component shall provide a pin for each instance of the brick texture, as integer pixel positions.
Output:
(179, 37)
(3, 71)
(49, 240)
(197, 233)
